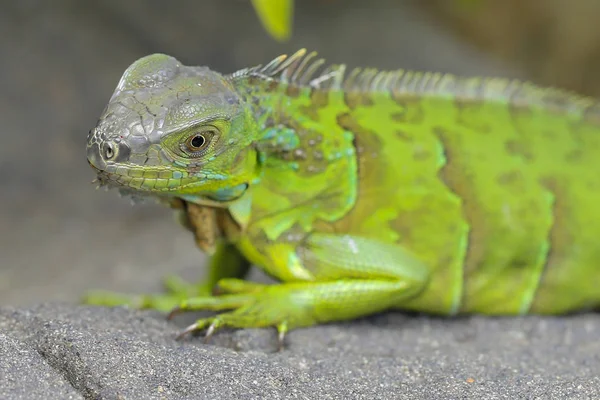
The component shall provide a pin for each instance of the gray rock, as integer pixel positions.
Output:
(61, 351)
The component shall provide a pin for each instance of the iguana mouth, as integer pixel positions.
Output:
(101, 177)
(108, 180)
(135, 184)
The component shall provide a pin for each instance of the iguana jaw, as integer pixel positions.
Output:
(135, 180)
(139, 189)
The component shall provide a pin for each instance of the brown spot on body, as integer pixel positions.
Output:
(458, 180)
(367, 141)
(411, 109)
(574, 155)
(509, 178)
(319, 99)
(519, 149)
(292, 91)
(560, 238)
(405, 136)
(272, 86)
(404, 225)
(355, 99)
(346, 121)
(420, 154)
(397, 117)
(469, 116)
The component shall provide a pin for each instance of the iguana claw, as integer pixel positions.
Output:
(213, 324)
(281, 331)
(210, 331)
(185, 332)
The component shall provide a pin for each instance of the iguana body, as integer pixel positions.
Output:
(362, 193)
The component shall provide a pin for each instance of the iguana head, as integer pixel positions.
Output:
(174, 130)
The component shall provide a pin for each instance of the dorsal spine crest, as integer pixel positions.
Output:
(300, 70)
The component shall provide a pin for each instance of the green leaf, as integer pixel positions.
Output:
(276, 17)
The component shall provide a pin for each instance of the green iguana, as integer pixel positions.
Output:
(361, 193)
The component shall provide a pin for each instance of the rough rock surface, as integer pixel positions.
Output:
(61, 351)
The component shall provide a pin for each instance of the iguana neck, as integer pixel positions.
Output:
(309, 160)
(290, 130)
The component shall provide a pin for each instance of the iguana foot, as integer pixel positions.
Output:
(212, 324)
(254, 305)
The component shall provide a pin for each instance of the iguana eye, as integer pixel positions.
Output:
(196, 142)
(195, 145)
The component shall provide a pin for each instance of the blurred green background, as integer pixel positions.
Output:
(61, 60)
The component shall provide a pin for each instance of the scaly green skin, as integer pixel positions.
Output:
(363, 193)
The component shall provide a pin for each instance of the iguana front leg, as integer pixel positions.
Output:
(226, 262)
(326, 277)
